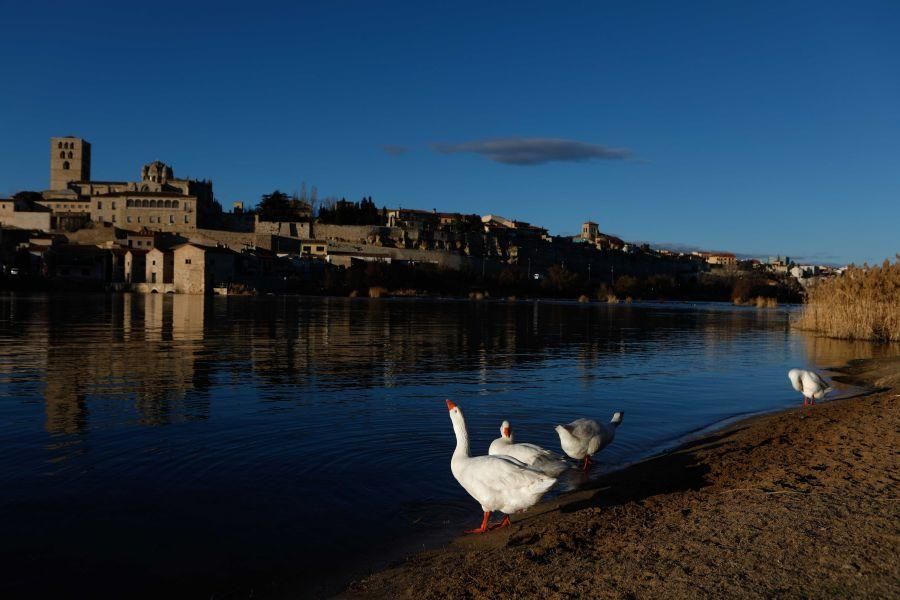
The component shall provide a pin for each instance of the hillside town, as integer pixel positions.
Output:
(163, 234)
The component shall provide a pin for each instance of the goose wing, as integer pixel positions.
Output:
(493, 475)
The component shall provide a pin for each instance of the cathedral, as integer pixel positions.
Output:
(159, 201)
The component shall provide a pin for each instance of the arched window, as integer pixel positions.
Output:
(174, 203)
(145, 188)
(66, 165)
(145, 204)
(70, 154)
(129, 203)
(153, 204)
(59, 145)
(168, 204)
(62, 154)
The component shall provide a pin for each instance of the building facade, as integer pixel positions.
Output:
(159, 201)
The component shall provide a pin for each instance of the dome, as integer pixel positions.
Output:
(157, 171)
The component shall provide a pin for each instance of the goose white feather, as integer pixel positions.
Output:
(583, 438)
(497, 483)
(532, 455)
(809, 383)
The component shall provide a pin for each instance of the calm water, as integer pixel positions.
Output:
(204, 447)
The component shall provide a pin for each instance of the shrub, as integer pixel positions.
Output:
(863, 304)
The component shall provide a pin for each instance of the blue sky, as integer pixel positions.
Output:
(756, 127)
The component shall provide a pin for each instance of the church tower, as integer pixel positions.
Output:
(70, 160)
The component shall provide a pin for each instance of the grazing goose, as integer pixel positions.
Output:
(530, 454)
(810, 384)
(583, 438)
(496, 482)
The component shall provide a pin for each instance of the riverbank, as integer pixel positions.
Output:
(798, 503)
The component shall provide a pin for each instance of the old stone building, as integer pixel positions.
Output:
(158, 201)
(159, 267)
(198, 269)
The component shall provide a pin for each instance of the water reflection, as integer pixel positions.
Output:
(235, 428)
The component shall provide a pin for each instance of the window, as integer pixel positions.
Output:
(59, 145)
(114, 206)
(139, 219)
(145, 204)
(186, 219)
(62, 154)
(307, 248)
(167, 204)
(153, 204)
(187, 261)
(172, 219)
(99, 205)
(114, 218)
(187, 205)
(154, 263)
(70, 154)
(320, 248)
(174, 203)
(129, 203)
(128, 219)
(66, 166)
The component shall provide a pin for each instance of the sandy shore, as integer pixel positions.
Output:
(802, 503)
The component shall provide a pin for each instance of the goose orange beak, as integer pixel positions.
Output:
(506, 431)
(450, 405)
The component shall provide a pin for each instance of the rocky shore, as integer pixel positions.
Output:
(802, 503)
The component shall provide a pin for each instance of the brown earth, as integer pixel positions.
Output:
(803, 503)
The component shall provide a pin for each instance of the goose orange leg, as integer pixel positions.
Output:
(484, 525)
(503, 523)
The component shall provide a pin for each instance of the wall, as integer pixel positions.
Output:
(26, 220)
(197, 270)
(73, 153)
(292, 229)
(135, 266)
(115, 209)
(355, 233)
(190, 271)
(161, 264)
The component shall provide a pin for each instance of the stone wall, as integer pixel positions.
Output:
(26, 220)
(291, 229)
(356, 233)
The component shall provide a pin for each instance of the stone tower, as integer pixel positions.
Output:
(70, 160)
(590, 231)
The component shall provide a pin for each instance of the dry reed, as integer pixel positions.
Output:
(861, 304)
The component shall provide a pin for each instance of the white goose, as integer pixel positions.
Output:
(810, 384)
(496, 482)
(583, 438)
(530, 454)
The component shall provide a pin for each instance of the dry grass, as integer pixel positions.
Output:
(861, 304)
(583, 299)
(376, 291)
(764, 302)
(612, 299)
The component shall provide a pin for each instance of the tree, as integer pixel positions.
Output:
(278, 206)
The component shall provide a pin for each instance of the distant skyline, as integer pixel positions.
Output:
(760, 128)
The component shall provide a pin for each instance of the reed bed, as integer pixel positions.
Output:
(861, 304)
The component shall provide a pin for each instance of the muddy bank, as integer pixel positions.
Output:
(799, 503)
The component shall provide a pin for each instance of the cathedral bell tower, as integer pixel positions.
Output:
(70, 160)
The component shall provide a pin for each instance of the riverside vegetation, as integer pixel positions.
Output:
(862, 304)
(384, 279)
